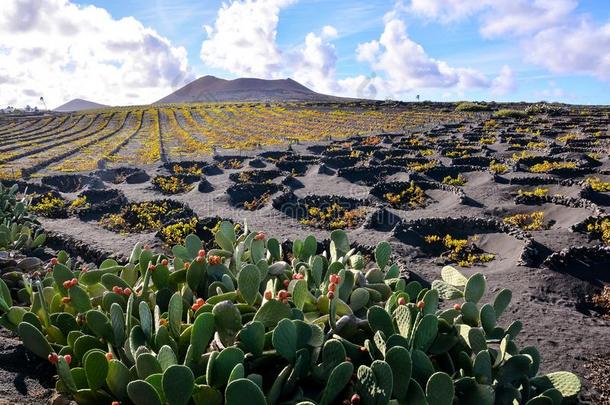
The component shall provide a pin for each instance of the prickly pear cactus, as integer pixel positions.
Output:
(242, 324)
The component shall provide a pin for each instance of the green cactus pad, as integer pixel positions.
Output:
(440, 389)
(175, 314)
(447, 291)
(219, 371)
(380, 320)
(252, 338)
(383, 251)
(285, 339)
(166, 357)
(399, 360)
(34, 340)
(96, 369)
(227, 320)
(475, 288)
(206, 395)
(142, 393)
(117, 378)
(338, 379)
(568, 384)
(425, 332)
(178, 383)
(453, 277)
(244, 391)
(248, 281)
(271, 312)
(79, 299)
(147, 364)
(482, 367)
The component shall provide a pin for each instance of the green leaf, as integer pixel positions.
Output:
(79, 299)
(175, 314)
(142, 393)
(243, 391)
(440, 390)
(383, 251)
(475, 288)
(178, 383)
(502, 301)
(117, 379)
(271, 312)
(300, 293)
(34, 340)
(96, 369)
(285, 339)
(252, 338)
(248, 282)
(223, 365)
(453, 277)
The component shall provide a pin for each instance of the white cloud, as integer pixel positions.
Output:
(406, 66)
(243, 38)
(521, 17)
(446, 10)
(504, 83)
(315, 63)
(367, 51)
(583, 48)
(552, 92)
(56, 49)
(498, 17)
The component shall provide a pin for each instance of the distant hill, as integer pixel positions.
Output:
(213, 89)
(78, 105)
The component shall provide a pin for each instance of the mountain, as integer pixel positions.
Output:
(214, 89)
(78, 105)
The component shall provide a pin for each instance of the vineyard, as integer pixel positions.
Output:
(80, 142)
(240, 216)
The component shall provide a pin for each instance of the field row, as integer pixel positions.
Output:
(141, 136)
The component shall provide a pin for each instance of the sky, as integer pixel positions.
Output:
(123, 52)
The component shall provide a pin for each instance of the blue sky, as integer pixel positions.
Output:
(513, 50)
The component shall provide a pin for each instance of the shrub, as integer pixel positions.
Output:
(461, 251)
(533, 221)
(498, 168)
(237, 325)
(413, 197)
(50, 205)
(538, 192)
(459, 180)
(19, 230)
(547, 166)
(598, 185)
(144, 216)
(600, 228)
(333, 216)
(471, 107)
(423, 167)
(509, 113)
(172, 185)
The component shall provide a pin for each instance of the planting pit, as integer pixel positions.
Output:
(296, 164)
(255, 176)
(251, 196)
(50, 205)
(93, 204)
(129, 175)
(145, 216)
(175, 184)
(368, 175)
(71, 183)
(436, 237)
(174, 233)
(324, 212)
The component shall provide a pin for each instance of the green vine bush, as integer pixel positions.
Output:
(249, 323)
